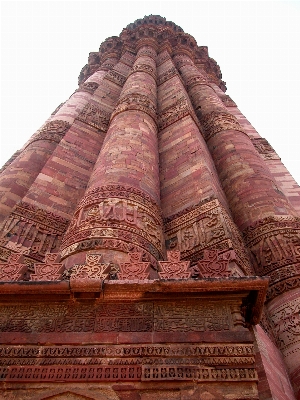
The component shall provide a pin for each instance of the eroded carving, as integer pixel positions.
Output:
(137, 102)
(174, 268)
(14, 269)
(50, 270)
(33, 231)
(265, 149)
(135, 268)
(176, 112)
(53, 131)
(215, 122)
(93, 115)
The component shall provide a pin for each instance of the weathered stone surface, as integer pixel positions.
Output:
(149, 160)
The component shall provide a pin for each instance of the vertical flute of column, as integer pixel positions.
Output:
(36, 224)
(18, 176)
(194, 206)
(250, 190)
(270, 225)
(120, 211)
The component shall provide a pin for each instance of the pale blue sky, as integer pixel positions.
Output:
(256, 44)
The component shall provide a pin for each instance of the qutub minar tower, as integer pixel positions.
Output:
(150, 238)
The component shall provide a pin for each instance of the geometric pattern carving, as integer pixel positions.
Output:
(135, 268)
(88, 277)
(50, 270)
(213, 266)
(194, 373)
(14, 269)
(174, 268)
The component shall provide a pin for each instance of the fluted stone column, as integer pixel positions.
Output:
(36, 224)
(251, 192)
(120, 210)
(270, 225)
(194, 206)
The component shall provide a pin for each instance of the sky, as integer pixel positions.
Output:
(44, 45)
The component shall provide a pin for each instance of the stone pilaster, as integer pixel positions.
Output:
(120, 211)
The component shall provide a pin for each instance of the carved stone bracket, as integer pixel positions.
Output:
(174, 268)
(135, 268)
(89, 277)
(53, 131)
(215, 122)
(135, 102)
(14, 269)
(264, 148)
(94, 116)
(217, 265)
(50, 270)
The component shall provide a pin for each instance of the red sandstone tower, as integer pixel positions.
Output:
(150, 238)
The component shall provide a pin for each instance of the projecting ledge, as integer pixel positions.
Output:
(252, 290)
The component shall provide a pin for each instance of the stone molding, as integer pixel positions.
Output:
(216, 122)
(137, 102)
(94, 116)
(53, 131)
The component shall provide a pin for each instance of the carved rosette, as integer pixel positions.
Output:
(94, 116)
(275, 245)
(176, 112)
(215, 122)
(135, 102)
(266, 151)
(118, 217)
(204, 227)
(53, 131)
(33, 231)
